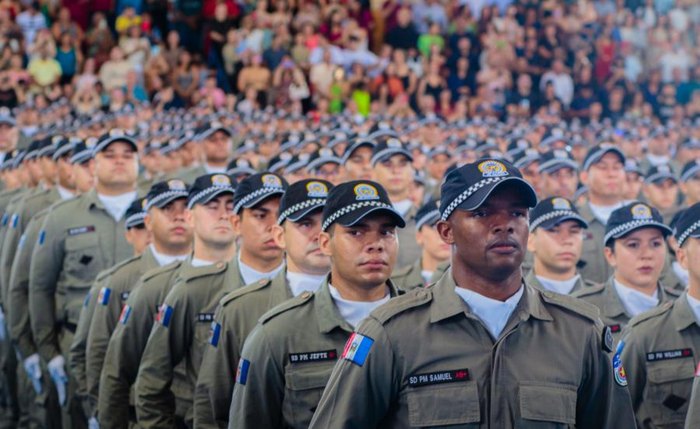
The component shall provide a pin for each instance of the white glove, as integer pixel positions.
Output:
(57, 369)
(93, 423)
(33, 369)
(3, 335)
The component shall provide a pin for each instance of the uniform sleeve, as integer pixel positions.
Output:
(692, 420)
(7, 256)
(166, 347)
(212, 395)
(604, 400)
(122, 360)
(44, 272)
(19, 325)
(259, 389)
(362, 386)
(104, 320)
(633, 359)
(79, 345)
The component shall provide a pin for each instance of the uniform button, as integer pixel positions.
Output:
(306, 294)
(219, 265)
(262, 281)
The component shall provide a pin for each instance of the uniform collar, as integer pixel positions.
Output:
(587, 214)
(613, 305)
(447, 304)
(682, 314)
(279, 288)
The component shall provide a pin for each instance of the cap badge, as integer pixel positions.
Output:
(90, 142)
(116, 133)
(560, 204)
(365, 192)
(393, 143)
(492, 169)
(220, 180)
(272, 181)
(561, 154)
(641, 212)
(176, 185)
(316, 190)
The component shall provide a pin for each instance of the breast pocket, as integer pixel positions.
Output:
(83, 260)
(202, 333)
(547, 405)
(668, 391)
(444, 405)
(304, 387)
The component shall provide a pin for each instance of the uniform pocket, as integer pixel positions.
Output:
(83, 260)
(669, 387)
(304, 387)
(547, 405)
(444, 405)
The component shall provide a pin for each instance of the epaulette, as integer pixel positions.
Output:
(675, 293)
(36, 195)
(654, 312)
(148, 275)
(412, 299)
(193, 273)
(589, 284)
(578, 306)
(594, 289)
(285, 306)
(231, 296)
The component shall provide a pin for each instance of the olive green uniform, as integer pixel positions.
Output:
(439, 272)
(126, 348)
(432, 362)
(593, 267)
(113, 295)
(236, 316)
(581, 284)
(180, 336)
(409, 277)
(409, 250)
(660, 351)
(692, 420)
(612, 312)
(78, 240)
(290, 355)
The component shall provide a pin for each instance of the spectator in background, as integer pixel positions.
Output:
(113, 72)
(64, 25)
(561, 81)
(99, 39)
(254, 75)
(427, 12)
(218, 28)
(135, 92)
(44, 69)
(30, 21)
(211, 94)
(431, 39)
(127, 19)
(404, 35)
(184, 78)
(69, 58)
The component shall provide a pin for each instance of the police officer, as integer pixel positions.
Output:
(661, 190)
(556, 239)
(77, 241)
(299, 224)
(170, 241)
(324, 164)
(188, 310)
(288, 357)
(357, 159)
(452, 354)
(690, 182)
(603, 174)
(660, 348)
(434, 251)
(635, 247)
(558, 174)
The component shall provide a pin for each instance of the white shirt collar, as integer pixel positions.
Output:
(602, 213)
(355, 311)
(200, 263)
(492, 312)
(251, 275)
(563, 287)
(427, 275)
(210, 169)
(300, 282)
(116, 205)
(634, 301)
(164, 259)
(403, 206)
(694, 306)
(64, 193)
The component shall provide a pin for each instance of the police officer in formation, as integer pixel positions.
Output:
(206, 291)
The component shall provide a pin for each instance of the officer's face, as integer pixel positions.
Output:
(557, 248)
(255, 227)
(633, 185)
(212, 222)
(168, 225)
(8, 137)
(559, 183)
(438, 165)
(638, 257)
(217, 147)
(331, 172)
(689, 258)
(364, 254)
(116, 165)
(490, 241)
(662, 195)
(606, 177)
(532, 175)
(49, 167)
(139, 238)
(395, 174)
(65, 173)
(359, 165)
(691, 190)
(429, 240)
(300, 241)
(83, 177)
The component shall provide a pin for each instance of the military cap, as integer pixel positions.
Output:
(207, 187)
(46, 148)
(184, 138)
(206, 130)
(388, 147)
(115, 135)
(517, 146)
(659, 173)
(9, 161)
(83, 150)
(152, 147)
(596, 153)
(632, 217)
(33, 150)
(556, 159)
(6, 117)
(526, 157)
(239, 167)
(290, 142)
(322, 157)
(554, 135)
(691, 143)
(338, 138)
(135, 213)
(688, 224)
(279, 162)
(356, 144)
(350, 202)
(553, 211)
(169, 146)
(254, 189)
(381, 129)
(62, 146)
(468, 186)
(439, 150)
(302, 198)
(297, 163)
(690, 170)
(163, 193)
(427, 214)
(632, 166)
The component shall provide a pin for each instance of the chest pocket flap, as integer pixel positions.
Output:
(670, 371)
(443, 405)
(548, 402)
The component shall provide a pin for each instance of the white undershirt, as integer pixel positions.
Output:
(634, 301)
(64, 193)
(694, 306)
(563, 287)
(657, 160)
(492, 312)
(300, 282)
(251, 275)
(210, 169)
(602, 213)
(403, 206)
(164, 259)
(427, 275)
(681, 273)
(117, 205)
(354, 311)
(200, 263)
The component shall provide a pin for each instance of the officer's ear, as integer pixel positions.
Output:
(236, 222)
(189, 218)
(531, 242)
(609, 253)
(324, 241)
(444, 228)
(583, 177)
(91, 166)
(148, 221)
(682, 256)
(278, 236)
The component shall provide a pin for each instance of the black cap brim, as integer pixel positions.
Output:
(165, 199)
(208, 196)
(388, 153)
(354, 217)
(665, 230)
(479, 197)
(276, 192)
(301, 214)
(551, 223)
(558, 165)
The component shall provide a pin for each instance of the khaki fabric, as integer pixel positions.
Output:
(409, 277)
(593, 265)
(409, 250)
(581, 283)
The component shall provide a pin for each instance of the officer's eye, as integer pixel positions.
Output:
(388, 232)
(657, 243)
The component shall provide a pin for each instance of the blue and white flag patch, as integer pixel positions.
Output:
(42, 237)
(214, 334)
(126, 312)
(242, 372)
(166, 313)
(15, 221)
(86, 301)
(357, 349)
(103, 297)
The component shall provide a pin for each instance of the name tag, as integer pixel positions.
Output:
(205, 317)
(321, 356)
(440, 377)
(81, 230)
(615, 328)
(669, 354)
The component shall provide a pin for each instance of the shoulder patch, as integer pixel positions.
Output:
(651, 314)
(285, 306)
(395, 306)
(591, 290)
(245, 290)
(675, 293)
(160, 270)
(582, 308)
